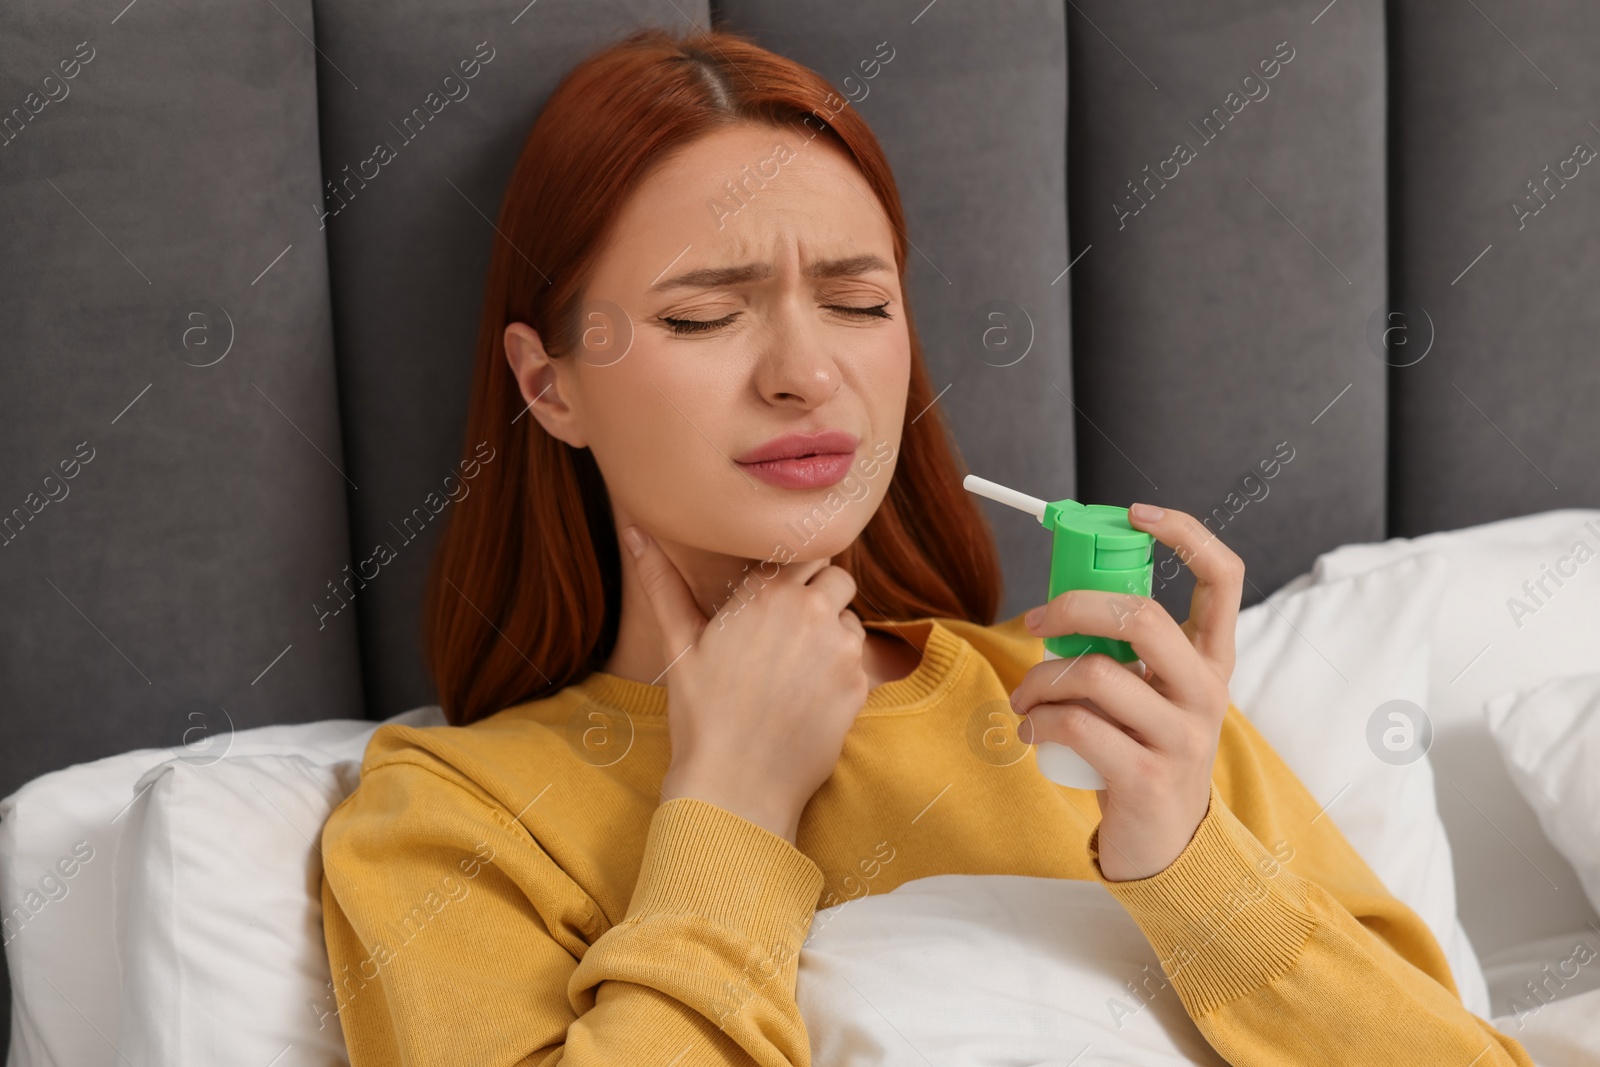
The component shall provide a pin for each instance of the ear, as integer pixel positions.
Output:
(544, 384)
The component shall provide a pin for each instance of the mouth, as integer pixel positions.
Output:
(802, 461)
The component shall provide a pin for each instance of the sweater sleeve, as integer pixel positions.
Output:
(454, 937)
(1277, 967)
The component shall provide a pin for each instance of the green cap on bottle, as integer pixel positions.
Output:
(1095, 547)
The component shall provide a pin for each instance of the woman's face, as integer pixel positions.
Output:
(753, 320)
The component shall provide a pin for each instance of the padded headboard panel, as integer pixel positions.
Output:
(214, 397)
(1228, 201)
(1489, 109)
(173, 494)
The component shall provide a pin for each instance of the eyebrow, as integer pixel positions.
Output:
(716, 277)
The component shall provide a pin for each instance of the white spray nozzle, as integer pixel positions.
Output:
(1002, 495)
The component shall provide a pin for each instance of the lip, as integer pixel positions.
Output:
(795, 445)
(802, 460)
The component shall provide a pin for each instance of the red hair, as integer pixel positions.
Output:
(524, 592)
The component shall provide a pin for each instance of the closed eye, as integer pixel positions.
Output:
(688, 326)
(682, 327)
(876, 311)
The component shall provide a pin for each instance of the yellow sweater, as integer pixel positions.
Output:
(512, 892)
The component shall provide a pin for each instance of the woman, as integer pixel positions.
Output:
(714, 636)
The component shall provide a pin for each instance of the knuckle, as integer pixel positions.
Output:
(1227, 562)
(1187, 740)
(1058, 725)
(1142, 615)
(1233, 565)
(815, 606)
(652, 578)
(1078, 720)
(1099, 669)
(1147, 765)
(1220, 697)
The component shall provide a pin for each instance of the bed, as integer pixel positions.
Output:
(223, 385)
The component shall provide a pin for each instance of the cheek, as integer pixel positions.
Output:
(650, 421)
(884, 381)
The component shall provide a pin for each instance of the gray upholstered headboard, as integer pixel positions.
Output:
(1193, 220)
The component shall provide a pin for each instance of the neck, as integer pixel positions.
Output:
(639, 654)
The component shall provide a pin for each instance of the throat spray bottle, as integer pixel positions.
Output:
(1094, 547)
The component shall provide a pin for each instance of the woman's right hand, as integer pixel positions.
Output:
(758, 702)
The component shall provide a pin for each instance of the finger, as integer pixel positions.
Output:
(676, 612)
(836, 585)
(1127, 699)
(852, 622)
(1141, 622)
(758, 575)
(1099, 741)
(1219, 579)
(800, 571)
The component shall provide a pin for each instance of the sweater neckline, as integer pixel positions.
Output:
(943, 655)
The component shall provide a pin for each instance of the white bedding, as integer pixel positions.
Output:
(1563, 1034)
(1521, 608)
(964, 969)
(1559, 967)
(981, 970)
(1011, 971)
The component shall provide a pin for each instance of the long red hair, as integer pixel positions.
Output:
(524, 592)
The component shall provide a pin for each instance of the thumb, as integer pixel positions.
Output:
(679, 617)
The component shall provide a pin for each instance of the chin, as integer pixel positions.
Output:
(791, 534)
(819, 528)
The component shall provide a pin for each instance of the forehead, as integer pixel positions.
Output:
(745, 194)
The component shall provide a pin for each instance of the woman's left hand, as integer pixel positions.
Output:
(1153, 739)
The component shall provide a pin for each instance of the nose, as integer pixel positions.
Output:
(796, 369)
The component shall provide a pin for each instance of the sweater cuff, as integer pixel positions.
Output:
(703, 860)
(1224, 918)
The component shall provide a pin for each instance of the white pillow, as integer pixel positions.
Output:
(1564, 1033)
(989, 970)
(60, 942)
(1316, 662)
(1504, 864)
(1553, 970)
(1549, 737)
(1482, 644)
(219, 913)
